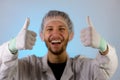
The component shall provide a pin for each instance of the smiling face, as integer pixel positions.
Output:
(56, 36)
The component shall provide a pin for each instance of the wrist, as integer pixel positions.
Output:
(105, 52)
(103, 45)
(12, 46)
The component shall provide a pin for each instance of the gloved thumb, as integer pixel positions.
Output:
(89, 22)
(26, 24)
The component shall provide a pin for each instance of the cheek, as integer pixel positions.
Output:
(65, 35)
(46, 37)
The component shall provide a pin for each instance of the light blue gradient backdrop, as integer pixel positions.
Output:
(105, 15)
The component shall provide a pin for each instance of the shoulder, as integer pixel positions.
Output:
(83, 64)
(83, 61)
(31, 59)
(80, 58)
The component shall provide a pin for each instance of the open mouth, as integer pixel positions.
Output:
(56, 42)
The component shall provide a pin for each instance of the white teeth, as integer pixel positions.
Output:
(56, 41)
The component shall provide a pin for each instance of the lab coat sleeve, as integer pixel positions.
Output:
(8, 63)
(109, 62)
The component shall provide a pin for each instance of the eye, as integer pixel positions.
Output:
(50, 29)
(62, 29)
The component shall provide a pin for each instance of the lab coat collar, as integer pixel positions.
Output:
(67, 73)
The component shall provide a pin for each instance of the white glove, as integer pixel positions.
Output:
(91, 38)
(24, 40)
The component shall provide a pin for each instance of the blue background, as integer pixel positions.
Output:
(105, 15)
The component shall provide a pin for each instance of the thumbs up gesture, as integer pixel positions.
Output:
(90, 38)
(26, 38)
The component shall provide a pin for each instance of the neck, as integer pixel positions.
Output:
(61, 58)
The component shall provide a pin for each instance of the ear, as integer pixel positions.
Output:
(41, 36)
(71, 36)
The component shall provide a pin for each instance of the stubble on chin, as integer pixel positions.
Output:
(57, 52)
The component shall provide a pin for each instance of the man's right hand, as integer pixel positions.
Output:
(24, 40)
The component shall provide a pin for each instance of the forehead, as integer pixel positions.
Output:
(55, 24)
(55, 21)
(55, 18)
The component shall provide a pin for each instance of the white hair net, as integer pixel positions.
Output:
(57, 15)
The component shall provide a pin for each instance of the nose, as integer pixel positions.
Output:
(55, 33)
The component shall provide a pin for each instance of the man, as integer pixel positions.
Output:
(57, 31)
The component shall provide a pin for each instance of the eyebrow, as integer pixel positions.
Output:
(58, 26)
(62, 26)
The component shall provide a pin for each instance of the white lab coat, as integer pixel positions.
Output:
(36, 68)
